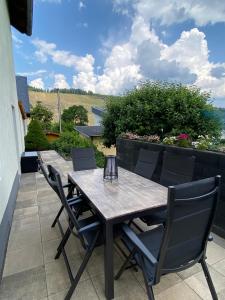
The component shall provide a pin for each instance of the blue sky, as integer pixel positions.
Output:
(110, 46)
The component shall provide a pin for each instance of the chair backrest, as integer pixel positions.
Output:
(47, 175)
(146, 164)
(83, 159)
(57, 183)
(176, 169)
(190, 213)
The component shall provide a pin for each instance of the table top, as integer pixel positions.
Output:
(129, 194)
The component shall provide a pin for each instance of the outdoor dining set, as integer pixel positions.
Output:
(103, 205)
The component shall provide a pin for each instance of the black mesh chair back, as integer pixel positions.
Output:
(190, 213)
(88, 230)
(146, 164)
(47, 175)
(182, 242)
(83, 159)
(176, 169)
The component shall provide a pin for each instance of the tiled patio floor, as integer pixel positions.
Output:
(32, 273)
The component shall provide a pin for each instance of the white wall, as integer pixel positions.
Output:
(11, 146)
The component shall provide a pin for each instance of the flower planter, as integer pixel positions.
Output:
(207, 164)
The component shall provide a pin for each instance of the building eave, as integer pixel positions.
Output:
(21, 15)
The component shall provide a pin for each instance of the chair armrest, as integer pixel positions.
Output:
(89, 227)
(75, 201)
(67, 185)
(138, 244)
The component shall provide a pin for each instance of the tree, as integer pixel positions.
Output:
(161, 108)
(76, 114)
(35, 138)
(42, 114)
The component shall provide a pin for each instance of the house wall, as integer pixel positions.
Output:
(11, 132)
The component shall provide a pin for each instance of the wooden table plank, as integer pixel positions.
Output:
(131, 193)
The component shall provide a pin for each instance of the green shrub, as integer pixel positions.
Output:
(69, 140)
(163, 109)
(65, 126)
(42, 114)
(35, 138)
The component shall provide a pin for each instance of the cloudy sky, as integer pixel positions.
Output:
(108, 46)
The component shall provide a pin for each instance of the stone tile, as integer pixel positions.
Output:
(26, 195)
(220, 267)
(45, 192)
(166, 281)
(178, 291)
(23, 238)
(47, 220)
(47, 199)
(190, 271)
(214, 253)
(48, 233)
(25, 223)
(199, 284)
(127, 287)
(23, 259)
(96, 263)
(24, 285)
(50, 249)
(21, 213)
(50, 208)
(221, 295)
(26, 203)
(28, 187)
(85, 290)
(57, 276)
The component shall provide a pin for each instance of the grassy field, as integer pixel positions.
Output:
(50, 100)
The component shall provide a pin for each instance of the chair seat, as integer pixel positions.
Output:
(90, 234)
(152, 240)
(155, 218)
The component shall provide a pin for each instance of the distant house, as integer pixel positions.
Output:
(92, 132)
(23, 100)
(98, 114)
(13, 113)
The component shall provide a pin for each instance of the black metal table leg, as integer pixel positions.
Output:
(108, 255)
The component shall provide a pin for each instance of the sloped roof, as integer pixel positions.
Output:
(98, 110)
(22, 93)
(90, 131)
(21, 15)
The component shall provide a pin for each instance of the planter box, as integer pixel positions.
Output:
(207, 164)
(29, 163)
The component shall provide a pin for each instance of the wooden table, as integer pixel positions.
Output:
(131, 196)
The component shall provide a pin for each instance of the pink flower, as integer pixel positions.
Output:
(183, 136)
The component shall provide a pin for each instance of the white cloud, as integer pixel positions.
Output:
(168, 12)
(144, 56)
(37, 83)
(17, 42)
(81, 5)
(34, 73)
(60, 82)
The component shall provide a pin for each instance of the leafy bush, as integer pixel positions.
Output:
(66, 126)
(35, 138)
(162, 109)
(69, 140)
(76, 114)
(42, 114)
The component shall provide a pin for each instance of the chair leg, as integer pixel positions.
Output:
(63, 242)
(57, 217)
(123, 267)
(148, 287)
(209, 280)
(81, 269)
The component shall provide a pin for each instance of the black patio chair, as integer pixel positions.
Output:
(83, 159)
(182, 242)
(70, 195)
(176, 169)
(88, 230)
(146, 163)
